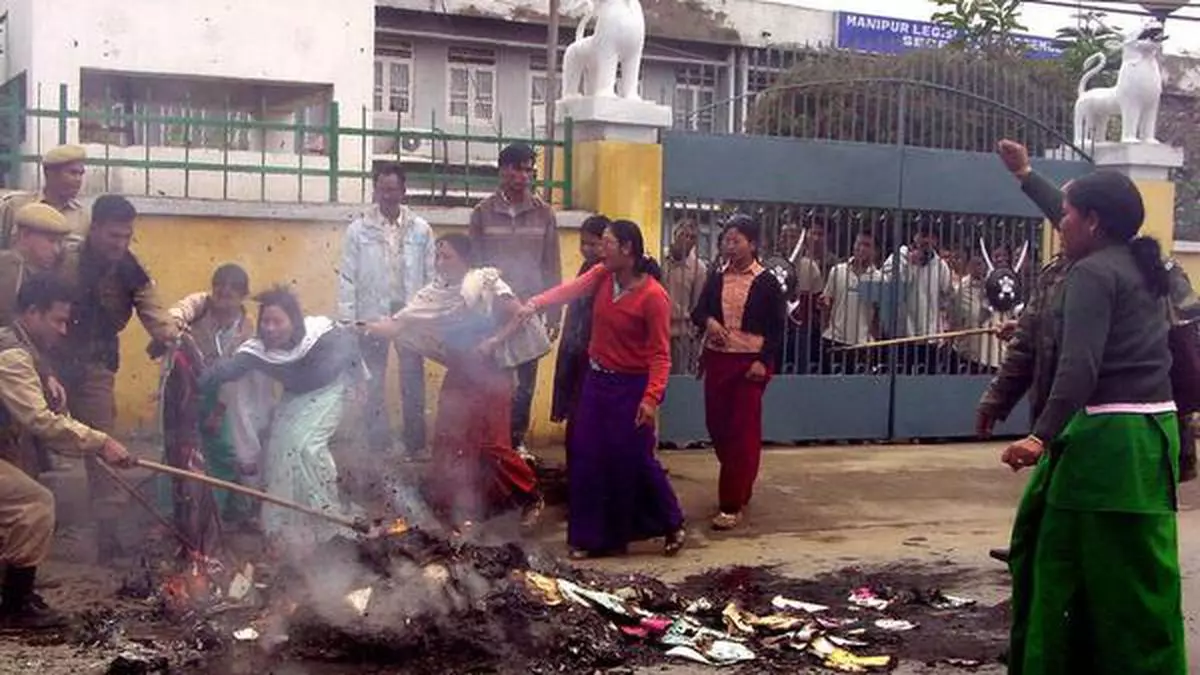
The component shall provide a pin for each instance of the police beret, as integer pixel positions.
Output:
(43, 218)
(64, 154)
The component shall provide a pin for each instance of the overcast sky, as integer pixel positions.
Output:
(1040, 19)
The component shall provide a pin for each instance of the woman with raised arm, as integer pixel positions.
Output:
(619, 491)
(1094, 557)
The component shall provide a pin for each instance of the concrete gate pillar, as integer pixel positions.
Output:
(1149, 165)
(617, 160)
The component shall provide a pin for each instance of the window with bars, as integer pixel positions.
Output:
(695, 98)
(180, 134)
(393, 85)
(472, 84)
(539, 81)
(758, 81)
(312, 140)
(128, 109)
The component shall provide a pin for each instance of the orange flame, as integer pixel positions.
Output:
(181, 590)
(398, 526)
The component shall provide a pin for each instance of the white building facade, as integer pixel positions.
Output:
(269, 60)
(437, 84)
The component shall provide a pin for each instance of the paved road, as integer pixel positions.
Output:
(819, 509)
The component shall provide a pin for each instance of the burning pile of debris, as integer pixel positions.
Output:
(452, 604)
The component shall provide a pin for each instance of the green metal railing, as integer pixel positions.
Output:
(442, 172)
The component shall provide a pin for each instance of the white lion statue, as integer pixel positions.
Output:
(616, 40)
(1135, 98)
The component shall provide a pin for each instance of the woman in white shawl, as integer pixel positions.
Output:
(315, 360)
(464, 321)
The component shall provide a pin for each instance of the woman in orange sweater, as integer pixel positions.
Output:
(619, 491)
(741, 312)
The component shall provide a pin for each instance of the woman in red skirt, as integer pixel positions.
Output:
(477, 473)
(741, 312)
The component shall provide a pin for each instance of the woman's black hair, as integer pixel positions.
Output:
(1120, 212)
(595, 224)
(283, 298)
(746, 225)
(461, 244)
(627, 233)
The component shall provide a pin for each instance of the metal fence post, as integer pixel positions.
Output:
(63, 112)
(333, 138)
(568, 167)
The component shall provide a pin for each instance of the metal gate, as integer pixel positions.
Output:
(891, 191)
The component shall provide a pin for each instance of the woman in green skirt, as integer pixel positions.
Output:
(1096, 581)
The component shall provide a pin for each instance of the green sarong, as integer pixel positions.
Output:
(1094, 553)
(219, 459)
(219, 462)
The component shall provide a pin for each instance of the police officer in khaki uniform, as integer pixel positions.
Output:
(111, 285)
(36, 247)
(26, 507)
(62, 172)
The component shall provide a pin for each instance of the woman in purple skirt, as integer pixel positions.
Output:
(619, 491)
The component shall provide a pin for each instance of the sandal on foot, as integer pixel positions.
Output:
(726, 521)
(674, 542)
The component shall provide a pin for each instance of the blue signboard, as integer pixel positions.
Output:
(886, 35)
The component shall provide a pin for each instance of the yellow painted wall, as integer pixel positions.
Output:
(181, 253)
(1191, 265)
(1159, 199)
(621, 180)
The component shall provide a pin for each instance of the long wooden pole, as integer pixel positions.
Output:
(356, 525)
(141, 499)
(916, 338)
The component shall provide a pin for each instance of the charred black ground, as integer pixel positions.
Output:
(482, 618)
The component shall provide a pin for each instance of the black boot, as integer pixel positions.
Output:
(21, 608)
(1000, 554)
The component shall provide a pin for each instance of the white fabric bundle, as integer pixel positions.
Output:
(440, 311)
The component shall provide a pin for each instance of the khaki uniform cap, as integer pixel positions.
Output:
(43, 218)
(64, 154)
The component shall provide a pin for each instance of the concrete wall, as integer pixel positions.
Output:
(181, 242)
(20, 35)
(296, 41)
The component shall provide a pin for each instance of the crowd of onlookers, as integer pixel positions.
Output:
(849, 293)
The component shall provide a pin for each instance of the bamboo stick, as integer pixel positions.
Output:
(917, 338)
(358, 526)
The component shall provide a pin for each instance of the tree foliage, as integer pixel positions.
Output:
(981, 24)
(1092, 35)
(1179, 125)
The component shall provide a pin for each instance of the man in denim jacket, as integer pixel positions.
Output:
(387, 256)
